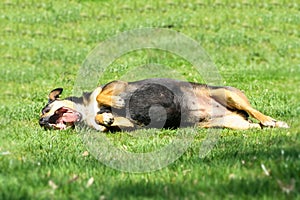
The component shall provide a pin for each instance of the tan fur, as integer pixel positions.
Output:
(109, 94)
(54, 94)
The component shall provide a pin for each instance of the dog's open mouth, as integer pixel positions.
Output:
(63, 118)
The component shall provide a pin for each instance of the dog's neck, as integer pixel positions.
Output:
(88, 107)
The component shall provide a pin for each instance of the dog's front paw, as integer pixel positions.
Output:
(108, 119)
(117, 102)
(105, 119)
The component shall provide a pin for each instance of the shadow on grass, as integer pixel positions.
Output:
(253, 188)
(233, 173)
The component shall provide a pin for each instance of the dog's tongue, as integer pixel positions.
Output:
(69, 117)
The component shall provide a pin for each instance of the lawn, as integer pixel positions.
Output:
(254, 46)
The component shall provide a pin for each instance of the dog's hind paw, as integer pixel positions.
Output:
(267, 121)
(275, 124)
(281, 124)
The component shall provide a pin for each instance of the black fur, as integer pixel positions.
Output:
(155, 106)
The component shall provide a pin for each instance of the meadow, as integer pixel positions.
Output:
(254, 45)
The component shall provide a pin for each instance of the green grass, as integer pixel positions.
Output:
(255, 47)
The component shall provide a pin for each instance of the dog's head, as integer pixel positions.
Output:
(59, 113)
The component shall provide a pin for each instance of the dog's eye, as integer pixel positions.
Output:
(45, 110)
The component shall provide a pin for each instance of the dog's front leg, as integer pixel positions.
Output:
(108, 98)
(107, 119)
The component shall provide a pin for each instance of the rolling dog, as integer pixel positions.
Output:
(154, 103)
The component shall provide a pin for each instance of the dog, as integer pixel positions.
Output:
(154, 103)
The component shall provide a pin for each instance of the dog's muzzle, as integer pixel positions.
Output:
(63, 118)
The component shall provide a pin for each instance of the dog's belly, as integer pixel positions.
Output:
(206, 111)
(200, 107)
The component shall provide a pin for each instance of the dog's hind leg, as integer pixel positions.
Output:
(234, 99)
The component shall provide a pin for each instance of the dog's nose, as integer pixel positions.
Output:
(42, 122)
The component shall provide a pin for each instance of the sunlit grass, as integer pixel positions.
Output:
(255, 47)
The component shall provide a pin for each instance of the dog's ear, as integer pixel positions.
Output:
(54, 94)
